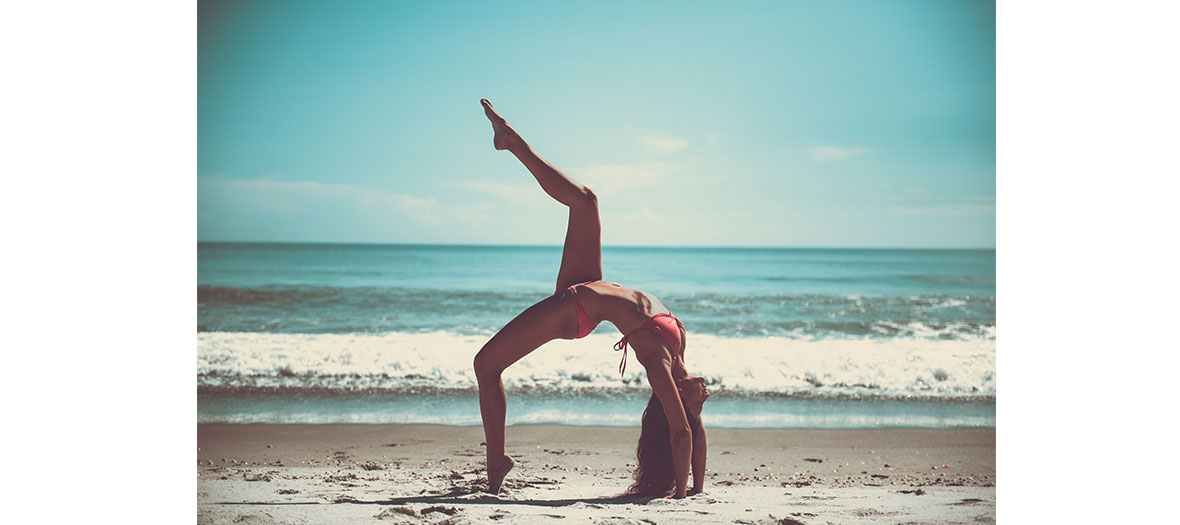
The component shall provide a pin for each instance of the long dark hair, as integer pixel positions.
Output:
(655, 472)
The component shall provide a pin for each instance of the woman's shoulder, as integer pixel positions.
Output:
(606, 286)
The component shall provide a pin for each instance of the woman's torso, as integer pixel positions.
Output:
(627, 309)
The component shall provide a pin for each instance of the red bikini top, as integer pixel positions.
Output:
(664, 325)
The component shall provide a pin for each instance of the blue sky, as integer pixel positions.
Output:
(698, 124)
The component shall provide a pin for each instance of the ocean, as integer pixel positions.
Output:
(786, 337)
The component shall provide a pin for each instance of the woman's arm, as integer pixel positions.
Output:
(659, 375)
(699, 448)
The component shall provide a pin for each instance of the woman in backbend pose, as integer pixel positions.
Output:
(672, 437)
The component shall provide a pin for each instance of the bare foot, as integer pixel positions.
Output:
(497, 472)
(506, 137)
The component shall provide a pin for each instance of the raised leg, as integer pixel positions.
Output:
(581, 258)
(547, 320)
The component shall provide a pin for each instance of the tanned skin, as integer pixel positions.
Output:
(555, 318)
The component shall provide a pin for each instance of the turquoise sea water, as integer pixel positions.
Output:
(820, 338)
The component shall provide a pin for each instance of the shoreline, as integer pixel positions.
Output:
(283, 473)
(625, 412)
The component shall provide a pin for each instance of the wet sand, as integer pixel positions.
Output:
(567, 474)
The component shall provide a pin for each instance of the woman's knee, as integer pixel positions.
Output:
(485, 365)
(586, 197)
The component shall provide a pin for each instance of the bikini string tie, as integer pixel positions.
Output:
(622, 345)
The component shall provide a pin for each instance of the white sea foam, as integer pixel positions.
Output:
(923, 367)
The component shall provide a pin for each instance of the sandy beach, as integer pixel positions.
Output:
(264, 473)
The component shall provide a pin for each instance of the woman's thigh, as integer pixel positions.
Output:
(581, 258)
(552, 318)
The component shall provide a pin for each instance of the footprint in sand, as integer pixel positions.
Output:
(255, 519)
(394, 512)
(449, 511)
(865, 513)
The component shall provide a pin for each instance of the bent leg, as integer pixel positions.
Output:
(562, 188)
(581, 258)
(545, 321)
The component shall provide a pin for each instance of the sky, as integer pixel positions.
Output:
(815, 124)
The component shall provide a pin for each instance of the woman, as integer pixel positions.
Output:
(668, 442)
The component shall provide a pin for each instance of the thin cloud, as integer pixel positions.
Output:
(965, 207)
(657, 140)
(528, 193)
(644, 228)
(299, 197)
(835, 153)
(663, 143)
(919, 201)
(612, 178)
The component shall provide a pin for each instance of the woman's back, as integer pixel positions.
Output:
(626, 308)
(629, 310)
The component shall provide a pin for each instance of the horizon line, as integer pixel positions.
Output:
(510, 245)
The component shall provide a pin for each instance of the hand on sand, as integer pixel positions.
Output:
(497, 472)
(506, 137)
